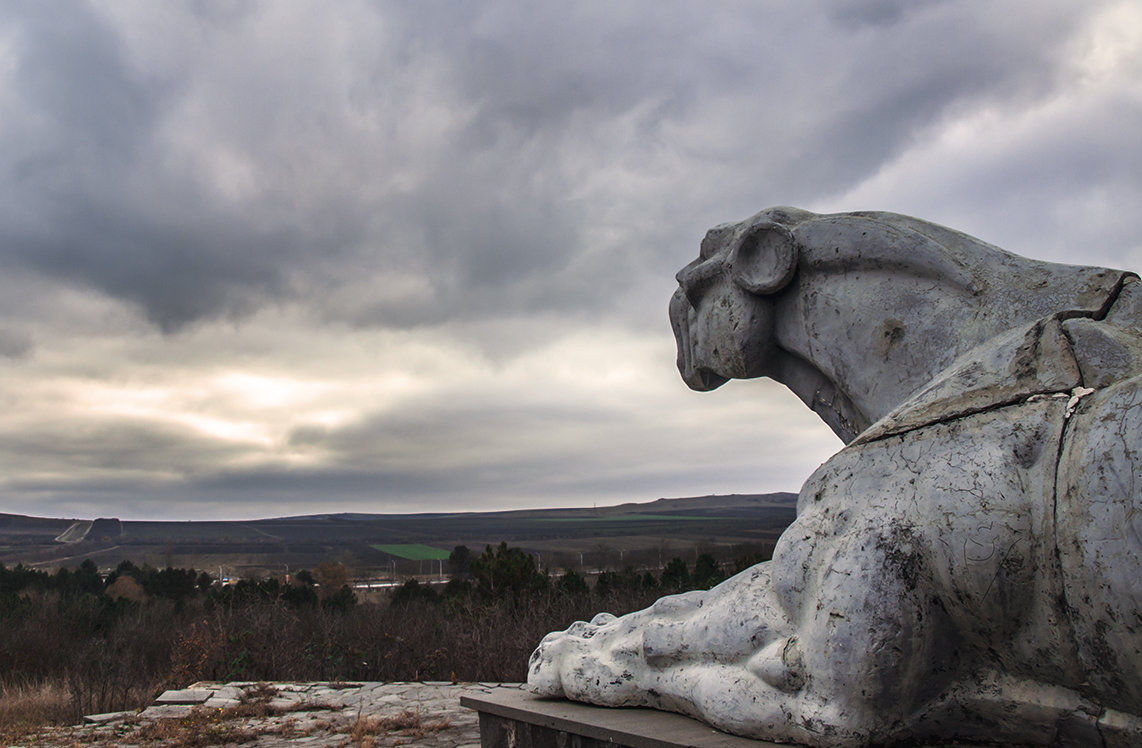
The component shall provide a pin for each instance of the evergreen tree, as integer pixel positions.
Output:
(459, 562)
(707, 573)
(506, 572)
(675, 577)
(572, 584)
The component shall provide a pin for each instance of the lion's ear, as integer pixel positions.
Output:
(764, 260)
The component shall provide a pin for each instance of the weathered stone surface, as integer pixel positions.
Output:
(321, 715)
(1099, 529)
(166, 711)
(106, 717)
(969, 567)
(185, 696)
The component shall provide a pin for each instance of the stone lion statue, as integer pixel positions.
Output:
(969, 566)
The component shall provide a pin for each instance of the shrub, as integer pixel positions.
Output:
(413, 591)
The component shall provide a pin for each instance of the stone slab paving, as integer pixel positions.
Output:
(185, 696)
(281, 715)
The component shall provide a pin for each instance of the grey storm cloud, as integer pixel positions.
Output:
(386, 249)
(490, 210)
(115, 446)
(98, 207)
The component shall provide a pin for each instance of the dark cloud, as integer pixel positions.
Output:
(533, 101)
(71, 73)
(176, 273)
(85, 207)
(111, 449)
(871, 96)
(878, 13)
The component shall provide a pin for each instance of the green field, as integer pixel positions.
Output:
(412, 551)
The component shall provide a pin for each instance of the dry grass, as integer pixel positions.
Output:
(229, 725)
(365, 730)
(25, 709)
(201, 727)
(209, 727)
(258, 692)
(254, 717)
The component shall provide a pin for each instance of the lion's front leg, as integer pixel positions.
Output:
(728, 656)
(621, 661)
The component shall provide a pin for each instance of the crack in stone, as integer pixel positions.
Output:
(959, 416)
(1068, 416)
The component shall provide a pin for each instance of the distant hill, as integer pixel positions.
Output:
(18, 524)
(626, 534)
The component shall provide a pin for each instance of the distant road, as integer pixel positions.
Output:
(66, 560)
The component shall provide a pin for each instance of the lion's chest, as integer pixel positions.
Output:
(961, 508)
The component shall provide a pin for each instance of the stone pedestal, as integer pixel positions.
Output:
(517, 719)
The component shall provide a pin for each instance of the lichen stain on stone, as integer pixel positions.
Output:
(890, 334)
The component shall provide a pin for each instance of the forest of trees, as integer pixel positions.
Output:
(113, 641)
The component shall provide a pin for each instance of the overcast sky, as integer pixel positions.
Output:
(271, 258)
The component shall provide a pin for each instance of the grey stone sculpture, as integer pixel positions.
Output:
(969, 566)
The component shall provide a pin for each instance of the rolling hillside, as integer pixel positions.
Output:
(628, 534)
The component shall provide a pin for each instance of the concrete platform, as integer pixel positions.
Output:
(519, 719)
(185, 696)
